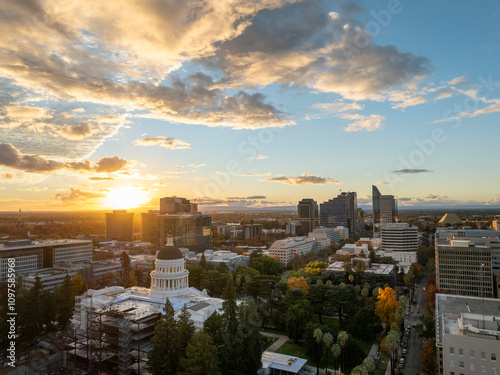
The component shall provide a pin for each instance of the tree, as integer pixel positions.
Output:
(428, 355)
(298, 282)
(342, 338)
(365, 324)
(78, 285)
(266, 265)
(65, 302)
(125, 272)
(200, 358)
(318, 336)
(230, 308)
(328, 341)
(369, 365)
(30, 313)
(297, 317)
(163, 357)
(49, 311)
(317, 296)
(203, 261)
(336, 350)
(387, 305)
(186, 329)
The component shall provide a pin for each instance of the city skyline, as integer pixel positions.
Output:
(248, 104)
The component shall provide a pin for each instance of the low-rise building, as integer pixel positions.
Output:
(385, 272)
(285, 250)
(353, 249)
(230, 259)
(35, 255)
(343, 232)
(281, 364)
(404, 258)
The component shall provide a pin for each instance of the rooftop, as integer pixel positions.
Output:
(282, 362)
(465, 316)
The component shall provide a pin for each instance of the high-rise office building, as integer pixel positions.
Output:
(149, 225)
(120, 225)
(384, 208)
(463, 267)
(189, 230)
(308, 215)
(399, 237)
(175, 205)
(341, 211)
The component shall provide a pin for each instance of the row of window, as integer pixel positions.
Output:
(493, 356)
(473, 368)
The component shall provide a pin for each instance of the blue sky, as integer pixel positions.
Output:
(251, 104)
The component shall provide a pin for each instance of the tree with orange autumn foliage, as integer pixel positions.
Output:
(428, 355)
(298, 282)
(387, 305)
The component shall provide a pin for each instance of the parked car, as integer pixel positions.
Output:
(405, 351)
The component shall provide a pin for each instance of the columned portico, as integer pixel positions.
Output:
(170, 277)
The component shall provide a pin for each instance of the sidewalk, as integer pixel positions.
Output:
(276, 345)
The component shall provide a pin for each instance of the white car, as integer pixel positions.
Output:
(405, 351)
(402, 360)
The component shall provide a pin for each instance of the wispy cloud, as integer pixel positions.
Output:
(412, 171)
(303, 179)
(167, 142)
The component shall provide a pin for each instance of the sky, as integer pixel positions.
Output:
(113, 104)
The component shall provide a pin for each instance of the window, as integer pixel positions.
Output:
(452, 363)
(493, 356)
(472, 354)
(483, 368)
(452, 350)
(461, 364)
(472, 367)
(483, 355)
(461, 351)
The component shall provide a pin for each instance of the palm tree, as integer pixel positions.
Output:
(342, 339)
(318, 335)
(328, 341)
(336, 350)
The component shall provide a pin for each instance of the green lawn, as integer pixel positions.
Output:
(289, 348)
(327, 320)
(275, 331)
(382, 366)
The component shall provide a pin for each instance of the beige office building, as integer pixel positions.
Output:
(467, 335)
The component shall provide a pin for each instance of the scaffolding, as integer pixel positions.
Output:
(115, 341)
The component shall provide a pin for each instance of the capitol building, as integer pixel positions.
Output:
(112, 323)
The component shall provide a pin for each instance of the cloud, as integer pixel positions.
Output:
(101, 178)
(11, 157)
(197, 165)
(76, 195)
(260, 157)
(302, 44)
(411, 171)
(302, 179)
(167, 142)
(382, 183)
(7, 175)
(249, 197)
(79, 131)
(362, 122)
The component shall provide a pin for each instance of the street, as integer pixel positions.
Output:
(412, 365)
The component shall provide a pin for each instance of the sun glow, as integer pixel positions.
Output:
(126, 197)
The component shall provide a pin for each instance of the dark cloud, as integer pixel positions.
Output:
(303, 179)
(11, 157)
(77, 195)
(79, 131)
(411, 171)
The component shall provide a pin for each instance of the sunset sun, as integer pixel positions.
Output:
(125, 197)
